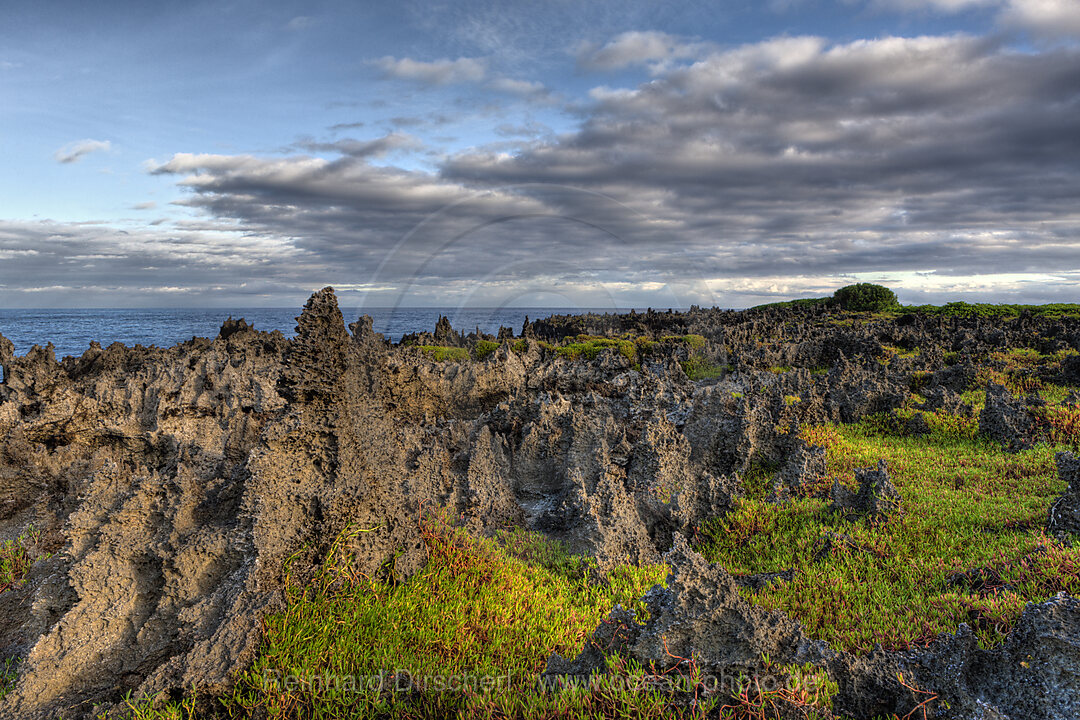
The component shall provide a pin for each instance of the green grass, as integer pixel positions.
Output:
(485, 348)
(633, 348)
(799, 303)
(961, 309)
(479, 609)
(589, 348)
(696, 342)
(8, 674)
(967, 505)
(698, 368)
(953, 309)
(440, 353)
(894, 351)
(15, 559)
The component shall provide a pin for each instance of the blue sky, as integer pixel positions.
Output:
(580, 154)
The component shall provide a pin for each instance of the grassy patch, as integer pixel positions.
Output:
(589, 348)
(968, 507)
(698, 368)
(9, 673)
(15, 559)
(634, 349)
(963, 309)
(479, 609)
(440, 353)
(484, 349)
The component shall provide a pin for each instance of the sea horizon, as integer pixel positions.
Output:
(71, 330)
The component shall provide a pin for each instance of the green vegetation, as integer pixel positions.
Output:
(969, 507)
(15, 559)
(866, 297)
(590, 347)
(799, 303)
(183, 709)
(698, 368)
(893, 351)
(479, 609)
(520, 346)
(1024, 371)
(439, 353)
(8, 674)
(635, 349)
(484, 348)
(963, 309)
(695, 342)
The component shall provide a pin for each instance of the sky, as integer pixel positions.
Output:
(537, 154)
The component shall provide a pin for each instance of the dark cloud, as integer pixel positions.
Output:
(944, 165)
(378, 147)
(338, 127)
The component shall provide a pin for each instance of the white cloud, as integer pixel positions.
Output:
(1046, 17)
(524, 88)
(636, 48)
(945, 6)
(300, 22)
(437, 72)
(1051, 18)
(73, 152)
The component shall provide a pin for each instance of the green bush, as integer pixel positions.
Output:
(866, 297)
(485, 348)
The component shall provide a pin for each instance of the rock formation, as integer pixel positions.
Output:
(171, 486)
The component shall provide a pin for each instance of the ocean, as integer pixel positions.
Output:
(71, 331)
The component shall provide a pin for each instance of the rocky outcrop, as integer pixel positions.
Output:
(174, 484)
(877, 499)
(171, 485)
(1064, 514)
(1006, 419)
(699, 625)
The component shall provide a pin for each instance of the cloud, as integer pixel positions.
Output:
(379, 147)
(438, 72)
(951, 154)
(636, 48)
(1049, 18)
(945, 6)
(524, 88)
(71, 264)
(747, 174)
(73, 152)
(338, 127)
(530, 129)
(148, 205)
(300, 22)
(429, 120)
(1046, 17)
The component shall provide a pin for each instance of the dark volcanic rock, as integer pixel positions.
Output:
(171, 484)
(1064, 515)
(700, 617)
(1006, 419)
(876, 499)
